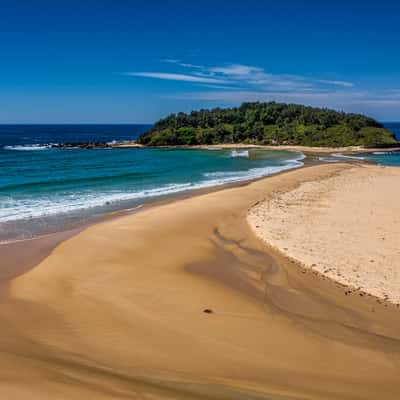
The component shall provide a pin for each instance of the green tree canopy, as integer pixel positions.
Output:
(268, 123)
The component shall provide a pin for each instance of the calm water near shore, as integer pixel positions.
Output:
(386, 157)
(44, 190)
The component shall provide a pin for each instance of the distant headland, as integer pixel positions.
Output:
(272, 124)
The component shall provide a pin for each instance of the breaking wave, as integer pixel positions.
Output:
(28, 147)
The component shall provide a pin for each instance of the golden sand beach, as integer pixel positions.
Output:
(118, 311)
(346, 227)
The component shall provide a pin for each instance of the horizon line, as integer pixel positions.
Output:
(119, 123)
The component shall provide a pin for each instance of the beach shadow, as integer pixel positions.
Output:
(282, 288)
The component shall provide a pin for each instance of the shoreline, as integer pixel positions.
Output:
(120, 307)
(22, 224)
(304, 149)
(309, 159)
(232, 146)
(32, 251)
(224, 146)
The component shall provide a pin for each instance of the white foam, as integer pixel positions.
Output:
(384, 153)
(28, 147)
(222, 177)
(20, 209)
(239, 153)
(301, 156)
(327, 159)
(12, 209)
(339, 155)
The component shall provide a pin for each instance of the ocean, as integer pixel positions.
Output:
(43, 190)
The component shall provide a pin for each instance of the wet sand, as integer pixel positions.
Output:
(21, 256)
(117, 312)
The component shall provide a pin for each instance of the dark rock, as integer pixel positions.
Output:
(82, 145)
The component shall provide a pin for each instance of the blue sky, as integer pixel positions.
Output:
(135, 61)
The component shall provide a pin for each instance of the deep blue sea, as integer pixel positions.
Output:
(44, 190)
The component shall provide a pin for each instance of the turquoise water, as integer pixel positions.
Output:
(44, 190)
(384, 158)
(389, 158)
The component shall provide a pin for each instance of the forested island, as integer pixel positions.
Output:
(269, 124)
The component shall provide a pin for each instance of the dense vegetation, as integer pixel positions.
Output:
(268, 123)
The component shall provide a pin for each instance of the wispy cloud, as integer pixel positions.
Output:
(289, 96)
(337, 83)
(176, 77)
(253, 77)
(231, 84)
(237, 70)
(182, 64)
(393, 92)
(242, 77)
(364, 101)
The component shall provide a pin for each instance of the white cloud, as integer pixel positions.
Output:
(337, 83)
(176, 77)
(237, 70)
(376, 104)
(248, 95)
(393, 93)
(182, 64)
(244, 77)
(255, 77)
(231, 84)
